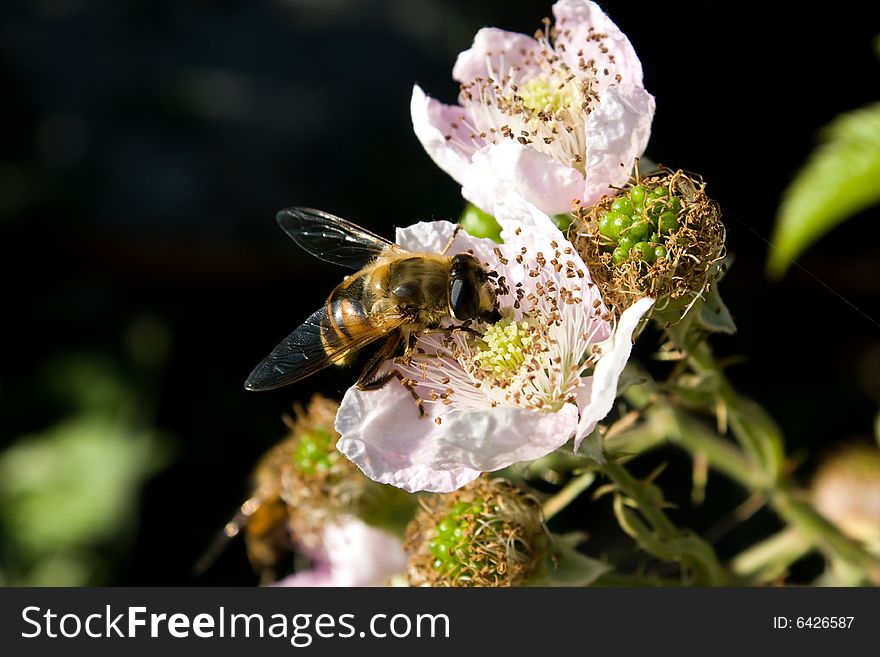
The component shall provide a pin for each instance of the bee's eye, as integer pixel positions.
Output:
(461, 263)
(464, 299)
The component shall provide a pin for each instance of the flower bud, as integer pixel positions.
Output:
(846, 490)
(316, 481)
(660, 236)
(304, 488)
(488, 533)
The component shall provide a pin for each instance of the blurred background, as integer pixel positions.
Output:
(146, 146)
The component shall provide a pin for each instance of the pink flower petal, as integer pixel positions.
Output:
(496, 151)
(433, 236)
(384, 436)
(318, 576)
(432, 123)
(574, 18)
(508, 168)
(352, 554)
(494, 51)
(618, 129)
(603, 382)
(361, 555)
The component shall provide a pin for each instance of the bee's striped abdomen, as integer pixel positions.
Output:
(345, 319)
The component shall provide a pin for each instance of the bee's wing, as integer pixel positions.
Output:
(331, 238)
(317, 344)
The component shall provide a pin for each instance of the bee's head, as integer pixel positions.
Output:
(471, 293)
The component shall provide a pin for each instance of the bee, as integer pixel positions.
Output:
(394, 296)
(263, 520)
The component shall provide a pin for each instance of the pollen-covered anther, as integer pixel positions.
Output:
(541, 106)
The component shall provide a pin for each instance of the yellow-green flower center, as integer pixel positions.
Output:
(541, 94)
(505, 346)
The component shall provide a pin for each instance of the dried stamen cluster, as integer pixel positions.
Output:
(677, 258)
(305, 477)
(486, 534)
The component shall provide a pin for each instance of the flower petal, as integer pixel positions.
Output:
(493, 52)
(432, 123)
(433, 236)
(361, 555)
(618, 129)
(384, 436)
(575, 19)
(317, 576)
(352, 554)
(523, 223)
(508, 168)
(603, 384)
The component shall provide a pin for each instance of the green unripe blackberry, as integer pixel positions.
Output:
(450, 546)
(657, 193)
(622, 205)
(486, 534)
(638, 222)
(640, 230)
(626, 243)
(620, 223)
(668, 222)
(642, 251)
(672, 248)
(637, 195)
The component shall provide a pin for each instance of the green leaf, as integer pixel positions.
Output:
(758, 434)
(592, 447)
(714, 315)
(839, 180)
(565, 566)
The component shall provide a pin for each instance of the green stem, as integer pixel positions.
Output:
(663, 538)
(825, 535)
(770, 559)
(760, 470)
(642, 581)
(568, 493)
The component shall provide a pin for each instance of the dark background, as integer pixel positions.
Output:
(146, 146)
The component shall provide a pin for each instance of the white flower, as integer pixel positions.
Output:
(495, 394)
(352, 554)
(551, 119)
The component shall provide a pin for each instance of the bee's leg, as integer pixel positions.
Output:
(450, 330)
(371, 380)
(451, 239)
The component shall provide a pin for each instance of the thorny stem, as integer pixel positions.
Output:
(568, 494)
(756, 463)
(663, 538)
(757, 466)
